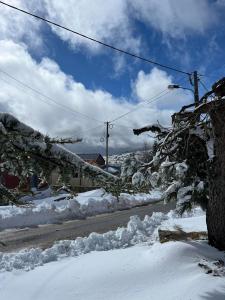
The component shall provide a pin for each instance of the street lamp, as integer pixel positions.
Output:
(177, 86)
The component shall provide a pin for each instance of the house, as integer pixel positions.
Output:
(79, 181)
(93, 159)
(9, 181)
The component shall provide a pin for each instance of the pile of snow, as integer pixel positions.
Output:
(49, 210)
(137, 231)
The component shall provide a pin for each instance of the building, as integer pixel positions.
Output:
(79, 181)
(9, 181)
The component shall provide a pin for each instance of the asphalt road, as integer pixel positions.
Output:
(44, 236)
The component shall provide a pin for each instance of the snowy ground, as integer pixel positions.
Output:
(45, 209)
(149, 270)
(169, 271)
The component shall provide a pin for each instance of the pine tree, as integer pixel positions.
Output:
(190, 159)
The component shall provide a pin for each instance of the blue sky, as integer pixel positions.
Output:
(96, 81)
(202, 52)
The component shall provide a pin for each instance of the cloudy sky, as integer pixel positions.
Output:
(77, 85)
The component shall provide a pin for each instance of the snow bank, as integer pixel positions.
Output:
(136, 231)
(49, 210)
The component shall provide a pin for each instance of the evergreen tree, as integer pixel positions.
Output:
(190, 159)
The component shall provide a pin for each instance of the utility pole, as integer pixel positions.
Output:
(196, 93)
(107, 145)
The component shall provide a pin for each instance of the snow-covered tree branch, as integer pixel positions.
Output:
(189, 164)
(25, 151)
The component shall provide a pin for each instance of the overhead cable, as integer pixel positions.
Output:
(95, 40)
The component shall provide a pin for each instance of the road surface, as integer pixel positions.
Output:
(44, 236)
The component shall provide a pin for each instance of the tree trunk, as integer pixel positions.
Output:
(215, 216)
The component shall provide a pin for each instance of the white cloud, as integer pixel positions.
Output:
(18, 26)
(155, 83)
(175, 18)
(107, 21)
(112, 21)
(47, 77)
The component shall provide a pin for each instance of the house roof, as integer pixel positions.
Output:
(90, 156)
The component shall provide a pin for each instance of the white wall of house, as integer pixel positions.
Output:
(79, 181)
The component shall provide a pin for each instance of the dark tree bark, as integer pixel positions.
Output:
(215, 215)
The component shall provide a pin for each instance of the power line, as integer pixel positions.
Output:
(23, 90)
(50, 99)
(90, 129)
(151, 100)
(204, 86)
(128, 127)
(96, 41)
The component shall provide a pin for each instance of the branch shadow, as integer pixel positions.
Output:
(205, 249)
(214, 295)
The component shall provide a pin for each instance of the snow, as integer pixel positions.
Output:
(184, 194)
(137, 231)
(171, 189)
(196, 224)
(79, 269)
(154, 179)
(138, 179)
(49, 210)
(181, 169)
(210, 148)
(163, 271)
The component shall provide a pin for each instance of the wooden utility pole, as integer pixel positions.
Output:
(196, 93)
(107, 145)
